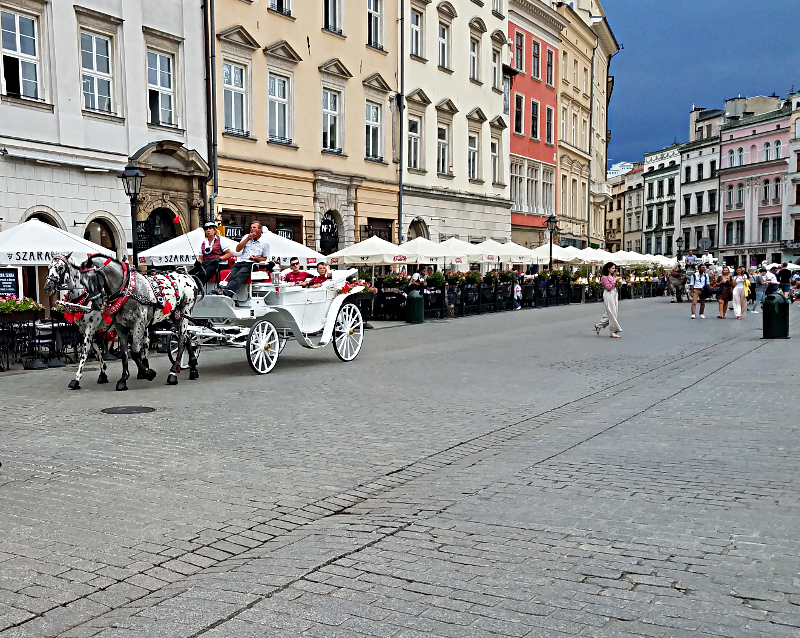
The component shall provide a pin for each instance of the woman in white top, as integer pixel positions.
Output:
(739, 293)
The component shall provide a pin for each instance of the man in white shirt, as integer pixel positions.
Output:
(707, 258)
(772, 280)
(691, 259)
(254, 249)
(698, 283)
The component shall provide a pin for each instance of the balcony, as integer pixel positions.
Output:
(602, 189)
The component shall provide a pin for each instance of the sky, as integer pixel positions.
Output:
(680, 53)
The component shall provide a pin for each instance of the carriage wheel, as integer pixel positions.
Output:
(348, 332)
(172, 349)
(263, 347)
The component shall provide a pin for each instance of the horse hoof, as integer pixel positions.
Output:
(121, 386)
(141, 375)
(74, 385)
(193, 374)
(172, 379)
(103, 378)
(150, 375)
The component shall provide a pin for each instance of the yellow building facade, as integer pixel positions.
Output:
(305, 103)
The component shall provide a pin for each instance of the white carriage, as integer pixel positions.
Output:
(266, 313)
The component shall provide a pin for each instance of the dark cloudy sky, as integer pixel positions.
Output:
(683, 52)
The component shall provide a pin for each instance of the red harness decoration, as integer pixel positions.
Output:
(109, 310)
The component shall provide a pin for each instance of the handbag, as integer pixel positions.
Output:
(714, 290)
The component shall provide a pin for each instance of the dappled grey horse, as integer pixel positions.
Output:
(134, 302)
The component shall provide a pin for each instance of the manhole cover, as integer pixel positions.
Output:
(128, 409)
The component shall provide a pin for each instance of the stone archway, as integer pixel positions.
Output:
(104, 229)
(44, 214)
(418, 228)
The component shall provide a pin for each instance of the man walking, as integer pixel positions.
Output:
(761, 287)
(785, 279)
(772, 280)
(698, 283)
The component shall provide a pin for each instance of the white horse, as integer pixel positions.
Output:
(62, 274)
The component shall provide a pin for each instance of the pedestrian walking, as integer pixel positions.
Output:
(609, 281)
(760, 289)
(772, 280)
(725, 293)
(740, 293)
(784, 276)
(700, 285)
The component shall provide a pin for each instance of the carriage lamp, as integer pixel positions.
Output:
(552, 224)
(132, 182)
(679, 244)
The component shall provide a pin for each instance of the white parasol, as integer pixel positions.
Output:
(33, 243)
(181, 250)
(373, 251)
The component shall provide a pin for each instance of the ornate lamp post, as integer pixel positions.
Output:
(552, 224)
(679, 244)
(132, 182)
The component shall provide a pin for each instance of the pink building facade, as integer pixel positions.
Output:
(753, 187)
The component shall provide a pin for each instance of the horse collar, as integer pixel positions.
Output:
(114, 303)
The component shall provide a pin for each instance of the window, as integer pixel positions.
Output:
(517, 182)
(278, 111)
(586, 80)
(472, 156)
(494, 149)
(474, 57)
(372, 117)
(729, 197)
(731, 159)
(533, 187)
(564, 123)
(564, 195)
(739, 195)
(671, 186)
(765, 191)
(234, 98)
(518, 114)
(712, 201)
(548, 190)
(659, 240)
(496, 69)
(699, 172)
(330, 121)
(574, 73)
(699, 197)
(574, 130)
(740, 153)
(519, 51)
(374, 35)
(584, 139)
(442, 150)
(688, 175)
(740, 232)
(764, 231)
(414, 137)
(650, 190)
(687, 204)
(281, 6)
(668, 249)
(575, 197)
(712, 235)
(96, 72)
(497, 6)
(549, 126)
(160, 90)
(776, 193)
(660, 216)
(648, 244)
(331, 16)
(712, 168)
(660, 188)
(728, 234)
(549, 67)
(777, 149)
(20, 55)
(416, 33)
(536, 66)
(564, 68)
(444, 45)
(767, 151)
(534, 119)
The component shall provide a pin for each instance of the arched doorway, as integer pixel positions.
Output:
(329, 233)
(418, 228)
(99, 231)
(161, 226)
(45, 219)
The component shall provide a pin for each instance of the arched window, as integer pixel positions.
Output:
(739, 194)
(777, 149)
(728, 233)
(764, 231)
(740, 153)
(765, 190)
(99, 231)
(729, 196)
(732, 158)
(776, 193)
(767, 151)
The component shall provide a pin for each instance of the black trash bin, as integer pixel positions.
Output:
(775, 315)
(415, 307)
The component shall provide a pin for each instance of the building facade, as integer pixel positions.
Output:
(615, 215)
(634, 195)
(533, 31)
(753, 183)
(661, 178)
(699, 211)
(791, 244)
(85, 89)
(457, 138)
(306, 109)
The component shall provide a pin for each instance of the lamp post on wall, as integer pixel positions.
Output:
(552, 224)
(679, 244)
(132, 182)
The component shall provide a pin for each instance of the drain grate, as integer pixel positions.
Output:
(128, 409)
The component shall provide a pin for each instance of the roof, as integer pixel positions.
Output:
(756, 119)
(708, 114)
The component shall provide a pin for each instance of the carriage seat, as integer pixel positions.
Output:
(259, 274)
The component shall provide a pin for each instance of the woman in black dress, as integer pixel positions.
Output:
(725, 294)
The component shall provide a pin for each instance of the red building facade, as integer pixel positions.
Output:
(533, 30)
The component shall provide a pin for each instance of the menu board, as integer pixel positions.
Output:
(9, 282)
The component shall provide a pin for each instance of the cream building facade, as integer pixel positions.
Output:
(456, 139)
(306, 109)
(634, 193)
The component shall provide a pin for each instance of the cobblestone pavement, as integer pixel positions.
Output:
(509, 475)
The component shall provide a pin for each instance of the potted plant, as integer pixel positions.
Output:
(454, 277)
(491, 277)
(396, 280)
(16, 309)
(508, 276)
(435, 279)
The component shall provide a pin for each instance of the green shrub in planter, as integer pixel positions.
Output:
(435, 279)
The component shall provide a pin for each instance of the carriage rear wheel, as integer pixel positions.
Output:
(263, 347)
(348, 332)
(172, 349)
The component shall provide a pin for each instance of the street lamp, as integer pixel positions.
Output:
(132, 182)
(679, 244)
(552, 224)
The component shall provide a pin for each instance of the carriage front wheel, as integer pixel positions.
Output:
(348, 332)
(263, 347)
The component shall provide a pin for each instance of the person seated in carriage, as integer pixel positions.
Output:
(295, 276)
(324, 274)
(211, 254)
(253, 249)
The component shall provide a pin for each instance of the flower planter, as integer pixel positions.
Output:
(19, 315)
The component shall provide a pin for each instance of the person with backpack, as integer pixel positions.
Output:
(700, 285)
(760, 288)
